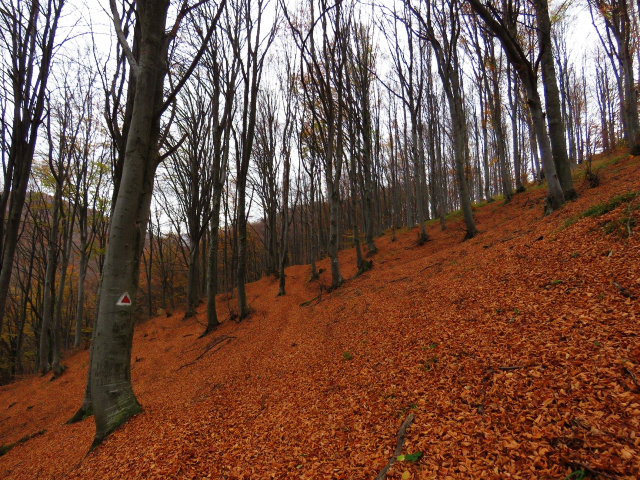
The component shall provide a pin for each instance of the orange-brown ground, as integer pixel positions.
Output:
(427, 330)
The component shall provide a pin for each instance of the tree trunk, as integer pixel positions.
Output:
(212, 266)
(241, 276)
(47, 306)
(38, 41)
(57, 317)
(418, 162)
(111, 390)
(552, 101)
(193, 278)
(284, 233)
(82, 274)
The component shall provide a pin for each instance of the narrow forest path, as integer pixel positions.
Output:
(516, 351)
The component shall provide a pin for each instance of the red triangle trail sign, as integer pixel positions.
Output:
(125, 300)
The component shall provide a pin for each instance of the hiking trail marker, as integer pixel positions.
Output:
(125, 300)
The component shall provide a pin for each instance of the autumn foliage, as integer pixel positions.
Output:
(516, 351)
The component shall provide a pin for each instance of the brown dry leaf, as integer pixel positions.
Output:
(511, 358)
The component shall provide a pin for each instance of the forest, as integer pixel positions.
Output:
(169, 163)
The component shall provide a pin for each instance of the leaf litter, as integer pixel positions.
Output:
(516, 352)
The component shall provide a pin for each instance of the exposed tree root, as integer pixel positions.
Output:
(401, 437)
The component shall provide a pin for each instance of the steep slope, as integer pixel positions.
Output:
(517, 352)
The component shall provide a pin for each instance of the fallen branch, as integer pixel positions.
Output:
(210, 345)
(5, 448)
(623, 291)
(632, 375)
(507, 368)
(431, 265)
(635, 380)
(583, 466)
(401, 437)
(389, 260)
(399, 279)
(309, 302)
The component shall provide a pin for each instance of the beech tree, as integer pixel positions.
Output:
(288, 87)
(28, 34)
(222, 67)
(250, 47)
(525, 68)
(445, 17)
(617, 41)
(110, 370)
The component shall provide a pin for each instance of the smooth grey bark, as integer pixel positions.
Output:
(483, 94)
(407, 180)
(552, 101)
(111, 390)
(82, 275)
(333, 193)
(288, 131)
(87, 233)
(619, 50)
(444, 45)
(517, 57)
(212, 269)
(360, 262)
(212, 263)
(46, 333)
(485, 153)
(310, 170)
(30, 38)
(222, 133)
(533, 145)
(284, 228)
(459, 146)
(148, 267)
(86, 408)
(251, 75)
(352, 118)
(394, 184)
(324, 77)
(362, 87)
(418, 166)
(57, 315)
(193, 278)
(495, 106)
(512, 93)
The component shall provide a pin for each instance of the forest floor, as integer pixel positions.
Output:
(517, 352)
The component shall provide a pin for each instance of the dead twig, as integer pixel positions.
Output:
(623, 291)
(507, 368)
(389, 260)
(633, 377)
(210, 345)
(401, 437)
(399, 279)
(583, 466)
(309, 302)
(431, 265)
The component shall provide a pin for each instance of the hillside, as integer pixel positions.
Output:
(518, 353)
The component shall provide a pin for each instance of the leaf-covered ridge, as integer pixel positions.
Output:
(529, 332)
